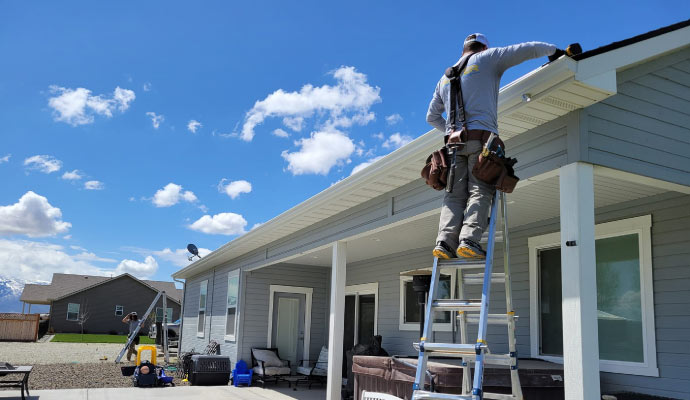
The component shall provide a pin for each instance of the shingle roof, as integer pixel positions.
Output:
(65, 284)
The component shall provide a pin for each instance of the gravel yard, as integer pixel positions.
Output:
(18, 353)
(70, 365)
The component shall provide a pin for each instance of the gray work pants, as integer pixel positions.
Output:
(465, 211)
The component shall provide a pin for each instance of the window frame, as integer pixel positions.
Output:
(203, 287)
(77, 312)
(638, 225)
(414, 326)
(231, 275)
(362, 290)
(121, 309)
(170, 317)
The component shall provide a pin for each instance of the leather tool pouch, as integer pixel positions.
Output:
(495, 170)
(435, 172)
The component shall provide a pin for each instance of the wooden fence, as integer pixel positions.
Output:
(19, 327)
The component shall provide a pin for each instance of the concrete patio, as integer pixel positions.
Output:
(173, 393)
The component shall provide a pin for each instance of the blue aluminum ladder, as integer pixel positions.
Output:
(477, 353)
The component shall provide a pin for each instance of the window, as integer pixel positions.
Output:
(409, 308)
(119, 310)
(73, 312)
(231, 309)
(203, 288)
(361, 314)
(168, 314)
(625, 311)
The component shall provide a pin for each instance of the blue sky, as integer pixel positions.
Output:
(82, 82)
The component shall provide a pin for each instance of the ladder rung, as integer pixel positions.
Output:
(463, 263)
(497, 238)
(499, 396)
(494, 319)
(423, 394)
(478, 279)
(494, 359)
(450, 348)
(457, 305)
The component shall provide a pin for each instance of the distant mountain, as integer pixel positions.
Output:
(10, 290)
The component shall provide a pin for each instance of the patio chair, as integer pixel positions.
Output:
(268, 366)
(316, 372)
(242, 374)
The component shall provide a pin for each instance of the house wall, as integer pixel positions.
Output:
(645, 127)
(671, 274)
(255, 319)
(100, 302)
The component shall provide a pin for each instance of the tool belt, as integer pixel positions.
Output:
(494, 168)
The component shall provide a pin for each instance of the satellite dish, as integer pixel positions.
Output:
(192, 249)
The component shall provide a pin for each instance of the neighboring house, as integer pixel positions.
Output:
(602, 140)
(104, 301)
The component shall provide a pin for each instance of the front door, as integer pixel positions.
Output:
(288, 326)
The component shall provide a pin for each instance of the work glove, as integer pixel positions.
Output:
(570, 51)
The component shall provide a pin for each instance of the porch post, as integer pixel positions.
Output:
(336, 322)
(29, 309)
(579, 288)
(23, 304)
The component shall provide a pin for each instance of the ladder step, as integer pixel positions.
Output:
(457, 305)
(478, 279)
(494, 319)
(463, 263)
(425, 395)
(447, 348)
(499, 396)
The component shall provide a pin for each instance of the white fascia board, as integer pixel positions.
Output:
(632, 54)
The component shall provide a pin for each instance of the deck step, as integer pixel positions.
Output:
(456, 305)
(478, 279)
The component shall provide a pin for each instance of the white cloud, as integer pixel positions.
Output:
(37, 261)
(234, 188)
(220, 224)
(179, 257)
(94, 185)
(33, 216)
(364, 165)
(280, 133)
(147, 87)
(351, 94)
(319, 153)
(5, 158)
(172, 194)
(74, 175)
(193, 125)
(393, 119)
(88, 256)
(378, 136)
(155, 119)
(67, 237)
(78, 106)
(396, 141)
(256, 225)
(44, 163)
(138, 269)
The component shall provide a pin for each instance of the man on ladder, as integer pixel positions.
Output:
(464, 210)
(471, 88)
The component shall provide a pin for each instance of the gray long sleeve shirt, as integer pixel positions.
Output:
(480, 83)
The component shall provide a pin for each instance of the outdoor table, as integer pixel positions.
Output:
(22, 383)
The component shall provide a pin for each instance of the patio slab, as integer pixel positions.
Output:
(173, 393)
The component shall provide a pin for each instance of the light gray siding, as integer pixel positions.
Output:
(190, 341)
(671, 271)
(255, 319)
(645, 128)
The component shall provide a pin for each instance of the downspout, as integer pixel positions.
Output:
(184, 294)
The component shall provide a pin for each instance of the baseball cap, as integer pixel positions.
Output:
(477, 37)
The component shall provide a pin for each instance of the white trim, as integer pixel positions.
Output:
(67, 316)
(364, 289)
(414, 326)
(201, 333)
(638, 225)
(308, 292)
(232, 274)
(336, 321)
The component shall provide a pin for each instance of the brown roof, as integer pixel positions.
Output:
(65, 284)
